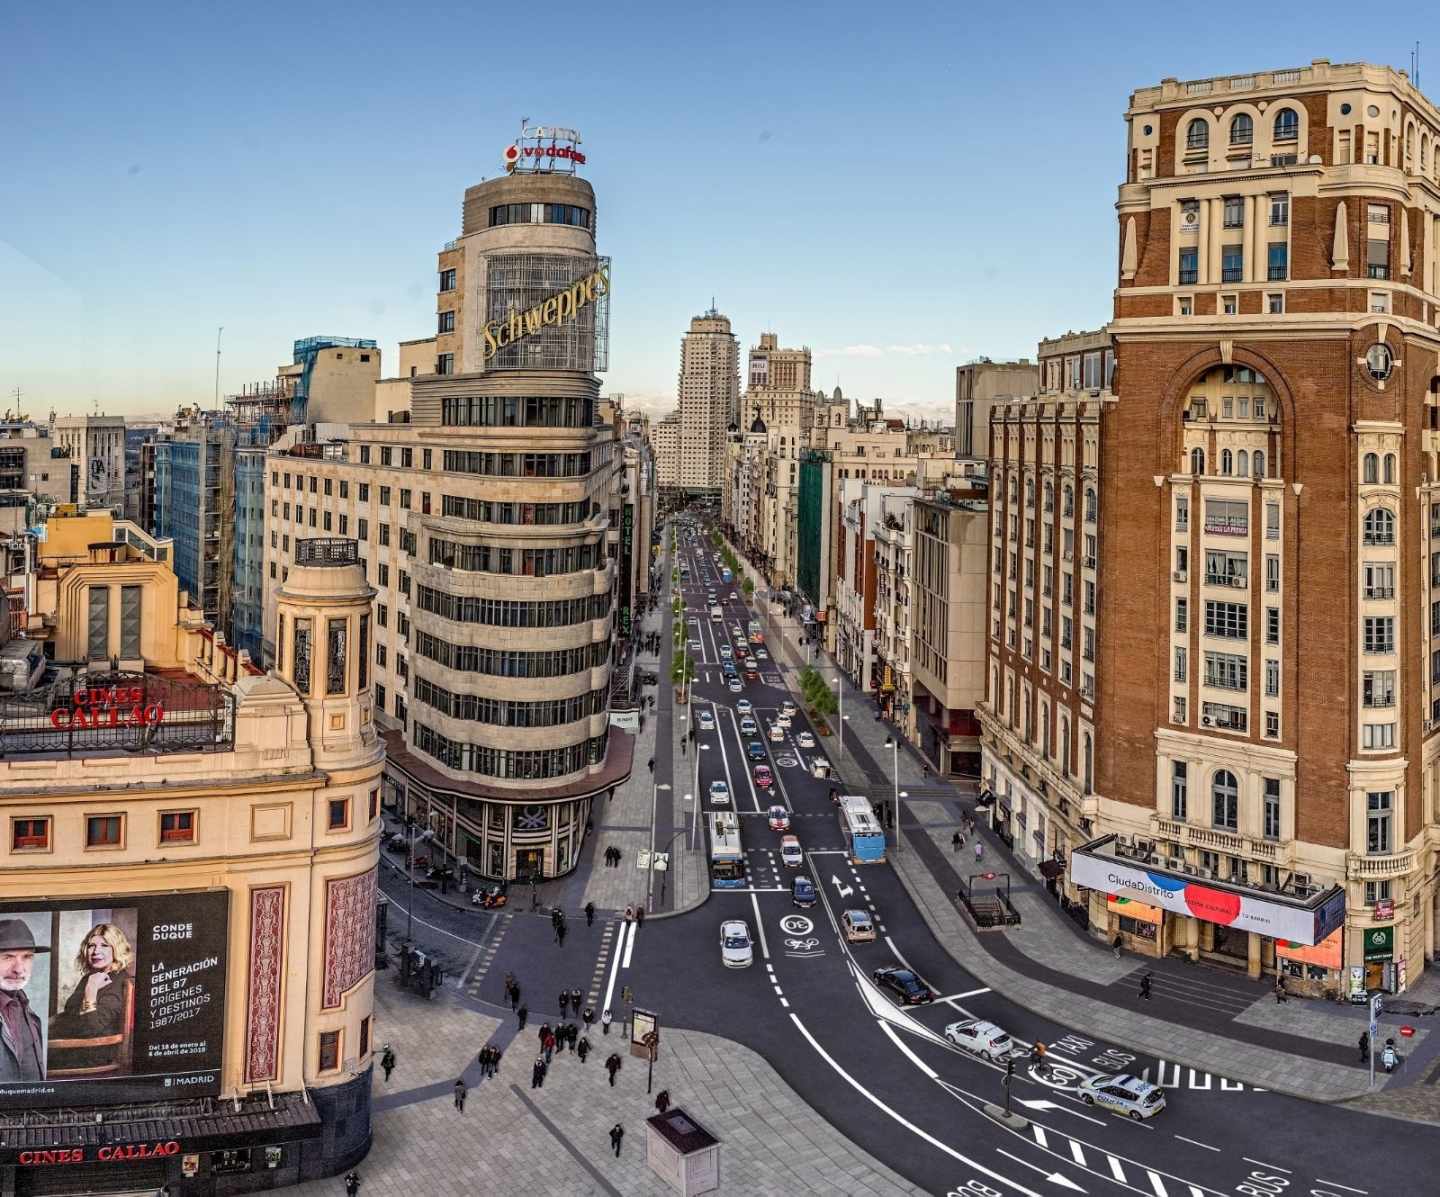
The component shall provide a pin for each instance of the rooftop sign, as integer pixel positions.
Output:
(544, 149)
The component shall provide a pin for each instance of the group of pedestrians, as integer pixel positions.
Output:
(613, 857)
(557, 921)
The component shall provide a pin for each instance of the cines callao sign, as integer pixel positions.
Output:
(560, 307)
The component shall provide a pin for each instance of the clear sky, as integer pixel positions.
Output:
(900, 187)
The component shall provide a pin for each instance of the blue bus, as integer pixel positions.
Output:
(864, 837)
(727, 861)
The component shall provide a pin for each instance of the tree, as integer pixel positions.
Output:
(748, 586)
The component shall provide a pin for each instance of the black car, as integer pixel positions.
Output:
(903, 985)
(755, 750)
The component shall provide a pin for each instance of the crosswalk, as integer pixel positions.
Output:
(602, 963)
(485, 955)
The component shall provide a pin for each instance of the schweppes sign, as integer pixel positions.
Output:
(560, 307)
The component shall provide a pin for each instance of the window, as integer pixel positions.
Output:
(362, 656)
(1377, 213)
(1225, 801)
(1389, 472)
(1272, 521)
(1189, 266)
(1378, 735)
(1272, 572)
(1179, 782)
(335, 640)
(1377, 259)
(1234, 211)
(1379, 812)
(1380, 302)
(1197, 462)
(1271, 814)
(177, 827)
(1272, 725)
(1228, 517)
(1197, 135)
(329, 1051)
(1226, 568)
(1182, 611)
(1280, 208)
(339, 816)
(1242, 130)
(1379, 580)
(1377, 891)
(1230, 620)
(365, 1036)
(445, 323)
(385, 491)
(1179, 716)
(1179, 663)
(445, 363)
(1287, 125)
(1232, 263)
(1278, 262)
(1379, 633)
(300, 656)
(1272, 679)
(1379, 526)
(1272, 625)
(1182, 513)
(1184, 306)
(1227, 671)
(104, 831)
(1230, 305)
(447, 280)
(30, 835)
(1227, 463)
(98, 630)
(130, 599)
(1275, 303)
(364, 492)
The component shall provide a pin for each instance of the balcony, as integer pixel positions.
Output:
(1378, 868)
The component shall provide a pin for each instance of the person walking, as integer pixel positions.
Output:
(589, 914)
(495, 1054)
(662, 1101)
(572, 1036)
(541, 1033)
(979, 850)
(617, 1135)
(560, 935)
(1280, 994)
(352, 1184)
(629, 915)
(575, 1000)
(460, 1094)
(1115, 945)
(639, 917)
(387, 1062)
(1364, 1047)
(588, 1017)
(549, 1047)
(651, 764)
(612, 1066)
(582, 1049)
(1145, 987)
(564, 1002)
(521, 1015)
(537, 1073)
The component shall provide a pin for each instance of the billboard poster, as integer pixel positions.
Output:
(112, 999)
(1202, 900)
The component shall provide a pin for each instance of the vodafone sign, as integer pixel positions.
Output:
(544, 149)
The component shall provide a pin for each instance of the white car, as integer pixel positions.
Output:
(736, 949)
(726, 651)
(788, 708)
(706, 720)
(719, 793)
(782, 720)
(735, 686)
(762, 654)
(805, 740)
(744, 707)
(777, 734)
(980, 1037)
(696, 647)
(790, 853)
(1124, 1094)
(748, 726)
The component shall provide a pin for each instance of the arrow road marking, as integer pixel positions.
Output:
(844, 891)
(1055, 1178)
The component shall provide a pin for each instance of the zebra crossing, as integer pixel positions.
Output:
(602, 963)
(485, 954)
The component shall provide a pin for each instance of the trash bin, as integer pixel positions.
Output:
(682, 1152)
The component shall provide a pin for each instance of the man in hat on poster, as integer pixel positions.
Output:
(22, 1044)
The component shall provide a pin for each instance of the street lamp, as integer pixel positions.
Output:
(426, 836)
(840, 689)
(892, 743)
(695, 813)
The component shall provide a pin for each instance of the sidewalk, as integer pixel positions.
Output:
(515, 1139)
(1201, 1017)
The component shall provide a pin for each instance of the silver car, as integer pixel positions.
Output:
(736, 949)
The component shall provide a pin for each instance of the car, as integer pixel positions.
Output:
(805, 739)
(748, 726)
(786, 761)
(857, 925)
(744, 707)
(777, 734)
(981, 1037)
(788, 708)
(751, 663)
(763, 777)
(790, 853)
(736, 685)
(696, 647)
(782, 720)
(755, 750)
(728, 669)
(720, 793)
(752, 674)
(706, 720)
(726, 651)
(904, 986)
(733, 596)
(802, 891)
(762, 654)
(779, 818)
(1123, 1094)
(736, 948)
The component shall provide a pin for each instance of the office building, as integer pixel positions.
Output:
(709, 392)
(97, 445)
(978, 386)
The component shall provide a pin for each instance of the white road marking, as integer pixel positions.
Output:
(1077, 1153)
(1338, 1185)
(1053, 1177)
(1040, 1136)
(957, 996)
(903, 1121)
(1116, 1170)
(760, 925)
(625, 931)
(1197, 1143)
(1157, 1184)
(785, 1002)
(914, 1059)
(1263, 1164)
(630, 945)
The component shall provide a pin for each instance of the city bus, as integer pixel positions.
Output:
(864, 837)
(727, 861)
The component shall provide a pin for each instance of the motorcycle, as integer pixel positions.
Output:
(492, 898)
(1389, 1058)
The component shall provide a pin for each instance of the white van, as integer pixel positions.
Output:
(717, 615)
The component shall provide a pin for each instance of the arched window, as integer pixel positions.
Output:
(1089, 765)
(1379, 526)
(1045, 731)
(1068, 506)
(1089, 505)
(1227, 462)
(1242, 464)
(1029, 492)
(1410, 148)
(994, 687)
(1259, 463)
(1225, 801)
(1197, 136)
(1389, 473)
(1064, 746)
(1014, 488)
(1049, 497)
(1287, 125)
(1242, 130)
(1372, 467)
(1197, 461)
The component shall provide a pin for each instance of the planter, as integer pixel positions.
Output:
(679, 696)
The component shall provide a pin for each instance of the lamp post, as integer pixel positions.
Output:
(695, 811)
(425, 837)
(893, 744)
(840, 689)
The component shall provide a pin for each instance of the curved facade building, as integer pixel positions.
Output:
(490, 522)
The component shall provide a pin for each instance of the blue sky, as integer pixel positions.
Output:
(898, 187)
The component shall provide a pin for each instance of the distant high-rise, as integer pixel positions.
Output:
(709, 399)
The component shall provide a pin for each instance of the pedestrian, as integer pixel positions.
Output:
(549, 1046)
(560, 935)
(483, 1059)
(575, 1001)
(629, 915)
(651, 764)
(1280, 994)
(460, 1094)
(662, 1101)
(540, 1034)
(352, 1183)
(495, 1054)
(1145, 987)
(564, 1001)
(521, 1015)
(588, 1016)
(572, 1035)
(1115, 945)
(582, 1049)
(589, 914)
(1364, 1047)
(537, 1073)
(387, 1062)
(956, 842)
(639, 917)
(510, 982)
(979, 850)
(605, 1019)
(617, 1134)
(612, 1066)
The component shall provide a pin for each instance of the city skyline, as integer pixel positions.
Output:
(336, 167)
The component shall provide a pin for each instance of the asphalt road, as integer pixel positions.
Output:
(886, 1077)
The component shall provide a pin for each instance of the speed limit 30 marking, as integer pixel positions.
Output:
(796, 924)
